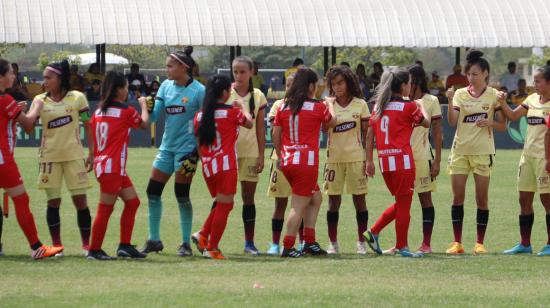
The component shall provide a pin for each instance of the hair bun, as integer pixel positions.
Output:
(474, 55)
(188, 50)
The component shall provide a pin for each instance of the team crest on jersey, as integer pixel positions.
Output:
(44, 179)
(61, 121)
(175, 109)
(185, 99)
(68, 109)
(344, 127)
(546, 113)
(475, 117)
(535, 121)
(355, 116)
(485, 107)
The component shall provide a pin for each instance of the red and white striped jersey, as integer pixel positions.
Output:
(300, 132)
(392, 131)
(9, 111)
(111, 130)
(221, 155)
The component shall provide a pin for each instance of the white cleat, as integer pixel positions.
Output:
(333, 248)
(361, 248)
(390, 251)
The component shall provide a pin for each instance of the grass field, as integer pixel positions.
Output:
(347, 279)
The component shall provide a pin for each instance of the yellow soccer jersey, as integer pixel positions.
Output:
(537, 115)
(420, 141)
(469, 138)
(247, 144)
(272, 113)
(61, 127)
(344, 140)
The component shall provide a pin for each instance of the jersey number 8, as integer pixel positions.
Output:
(101, 132)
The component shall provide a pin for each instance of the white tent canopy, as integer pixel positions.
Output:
(408, 23)
(89, 58)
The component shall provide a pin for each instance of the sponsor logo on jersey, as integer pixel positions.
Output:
(535, 121)
(475, 117)
(395, 106)
(344, 127)
(219, 114)
(175, 109)
(307, 106)
(61, 121)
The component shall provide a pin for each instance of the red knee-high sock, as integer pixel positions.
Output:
(288, 241)
(402, 219)
(99, 227)
(384, 219)
(309, 235)
(207, 226)
(127, 220)
(25, 218)
(218, 224)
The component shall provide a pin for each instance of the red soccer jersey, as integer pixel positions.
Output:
(393, 132)
(300, 133)
(222, 154)
(111, 131)
(9, 111)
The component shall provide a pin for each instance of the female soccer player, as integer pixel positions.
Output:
(278, 187)
(11, 181)
(392, 124)
(111, 124)
(296, 140)
(61, 155)
(250, 145)
(217, 127)
(426, 164)
(346, 154)
(180, 97)
(472, 110)
(532, 176)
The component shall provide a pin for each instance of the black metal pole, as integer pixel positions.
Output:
(325, 60)
(333, 54)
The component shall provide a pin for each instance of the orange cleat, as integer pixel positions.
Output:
(200, 241)
(46, 252)
(213, 254)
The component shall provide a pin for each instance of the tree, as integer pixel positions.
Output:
(6, 48)
(146, 56)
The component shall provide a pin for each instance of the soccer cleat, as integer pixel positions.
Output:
(46, 252)
(301, 246)
(1, 251)
(59, 254)
(390, 251)
(455, 248)
(200, 241)
(213, 254)
(424, 249)
(99, 255)
(152, 246)
(545, 251)
(273, 249)
(479, 249)
(372, 241)
(129, 251)
(333, 248)
(85, 250)
(291, 253)
(361, 248)
(250, 249)
(519, 248)
(405, 252)
(314, 249)
(185, 250)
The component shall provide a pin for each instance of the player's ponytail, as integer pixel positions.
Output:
(251, 103)
(62, 70)
(390, 85)
(299, 91)
(109, 88)
(214, 90)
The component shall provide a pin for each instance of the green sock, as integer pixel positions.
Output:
(155, 213)
(186, 218)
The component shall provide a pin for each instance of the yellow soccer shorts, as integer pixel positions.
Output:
(423, 181)
(351, 175)
(464, 164)
(74, 172)
(247, 169)
(532, 176)
(278, 185)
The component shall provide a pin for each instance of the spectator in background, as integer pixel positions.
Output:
(548, 63)
(135, 75)
(93, 93)
(346, 64)
(517, 97)
(297, 64)
(257, 79)
(419, 63)
(76, 80)
(18, 90)
(197, 74)
(364, 82)
(376, 74)
(435, 85)
(93, 73)
(134, 92)
(153, 88)
(456, 80)
(510, 79)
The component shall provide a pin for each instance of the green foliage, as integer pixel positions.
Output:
(6, 48)
(146, 56)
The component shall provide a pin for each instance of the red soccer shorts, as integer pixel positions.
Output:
(111, 183)
(10, 176)
(224, 183)
(400, 182)
(302, 179)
